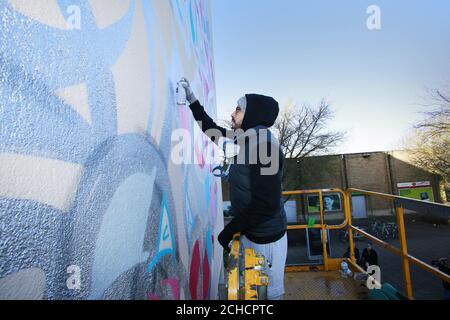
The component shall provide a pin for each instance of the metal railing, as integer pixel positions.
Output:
(328, 264)
(400, 203)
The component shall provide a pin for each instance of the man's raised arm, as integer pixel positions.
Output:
(208, 126)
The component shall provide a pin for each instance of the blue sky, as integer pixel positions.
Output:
(308, 50)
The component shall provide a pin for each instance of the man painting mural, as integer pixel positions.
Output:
(255, 181)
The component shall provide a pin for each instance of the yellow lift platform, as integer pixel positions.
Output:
(247, 280)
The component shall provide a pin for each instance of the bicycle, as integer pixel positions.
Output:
(343, 235)
(384, 230)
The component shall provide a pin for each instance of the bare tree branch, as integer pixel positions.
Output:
(302, 131)
(437, 117)
(431, 140)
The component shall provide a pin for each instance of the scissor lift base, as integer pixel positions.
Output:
(322, 285)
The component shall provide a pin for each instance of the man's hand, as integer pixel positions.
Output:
(189, 93)
(225, 239)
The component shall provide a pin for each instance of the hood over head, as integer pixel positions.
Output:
(261, 111)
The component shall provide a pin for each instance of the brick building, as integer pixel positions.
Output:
(386, 172)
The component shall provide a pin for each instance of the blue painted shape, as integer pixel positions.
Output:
(164, 247)
(176, 7)
(193, 28)
(121, 237)
(111, 164)
(42, 59)
(190, 222)
(31, 237)
(42, 124)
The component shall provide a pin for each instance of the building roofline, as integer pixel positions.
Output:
(355, 153)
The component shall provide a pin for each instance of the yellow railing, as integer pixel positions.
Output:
(328, 264)
(333, 264)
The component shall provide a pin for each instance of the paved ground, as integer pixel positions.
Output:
(425, 242)
(319, 285)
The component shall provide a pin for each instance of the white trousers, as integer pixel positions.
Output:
(275, 254)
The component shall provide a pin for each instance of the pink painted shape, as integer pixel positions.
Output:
(201, 9)
(184, 118)
(213, 202)
(174, 285)
(199, 150)
(195, 271)
(206, 276)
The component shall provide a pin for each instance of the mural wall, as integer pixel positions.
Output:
(91, 205)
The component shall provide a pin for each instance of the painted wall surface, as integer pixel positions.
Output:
(91, 205)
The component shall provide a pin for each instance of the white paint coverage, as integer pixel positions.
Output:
(132, 77)
(44, 11)
(107, 12)
(76, 97)
(49, 181)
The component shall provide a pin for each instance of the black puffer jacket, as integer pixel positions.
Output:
(255, 180)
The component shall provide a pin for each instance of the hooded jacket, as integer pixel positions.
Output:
(255, 180)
